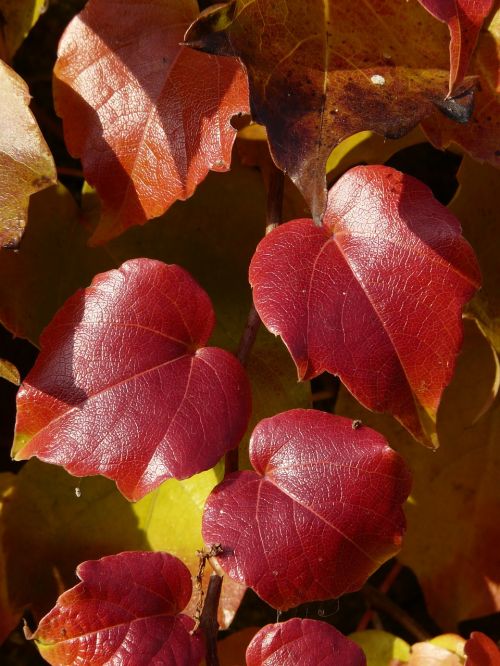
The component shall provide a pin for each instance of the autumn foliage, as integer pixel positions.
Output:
(261, 330)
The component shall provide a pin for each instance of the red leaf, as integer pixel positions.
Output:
(126, 610)
(481, 651)
(374, 295)
(319, 515)
(464, 19)
(304, 642)
(124, 387)
(147, 116)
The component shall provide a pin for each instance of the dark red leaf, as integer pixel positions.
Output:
(320, 514)
(126, 610)
(464, 19)
(304, 642)
(147, 116)
(374, 296)
(124, 387)
(481, 651)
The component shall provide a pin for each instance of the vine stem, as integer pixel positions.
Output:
(208, 620)
(274, 208)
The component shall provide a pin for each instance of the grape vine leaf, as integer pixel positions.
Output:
(26, 165)
(319, 514)
(464, 19)
(125, 604)
(17, 17)
(387, 267)
(124, 387)
(304, 642)
(480, 137)
(148, 117)
(323, 70)
(452, 536)
(481, 651)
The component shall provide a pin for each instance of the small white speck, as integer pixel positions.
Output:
(78, 492)
(377, 80)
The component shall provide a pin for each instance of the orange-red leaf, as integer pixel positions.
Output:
(26, 165)
(464, 19)
(148, 117)
(480, 137)
(126, 610)
(322, 70)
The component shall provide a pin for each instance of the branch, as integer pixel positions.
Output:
(209, 624)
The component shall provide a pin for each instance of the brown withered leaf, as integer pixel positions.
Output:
(26, 165)
(481, 136)
(322, 70)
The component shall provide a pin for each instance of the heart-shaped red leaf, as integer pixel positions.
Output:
(126, 610)
(304, 642)
(148, 117)
(124, 387)
(464, 19)
(320, 514)
(374, 296)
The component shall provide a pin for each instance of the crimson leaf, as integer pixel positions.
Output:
(304, 642)
(320, 513)
(124, 387)
(374, 295)
(126, 610)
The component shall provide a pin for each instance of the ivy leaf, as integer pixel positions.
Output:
(480, 136)
(17, 17)
(387, 267)
(124, 387)
(126, 604)
(26, 165)
(323, 70)
(320, 513)
(304, 642)
(464, 19)
(148, 117)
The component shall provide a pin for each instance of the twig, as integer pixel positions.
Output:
(384, 587)
(69, 171)
(380, 601)
(203, 556)
(209, 624)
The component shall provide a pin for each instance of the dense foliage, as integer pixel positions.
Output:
(164, 453)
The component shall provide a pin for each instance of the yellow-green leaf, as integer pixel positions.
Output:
(17, 17)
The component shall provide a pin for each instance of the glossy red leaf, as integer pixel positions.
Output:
(124, 387)
(464, 19)
(481, 651)
(374, 296)
(320, 513)
(126, 610)
(148, 117)
(304, 642)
